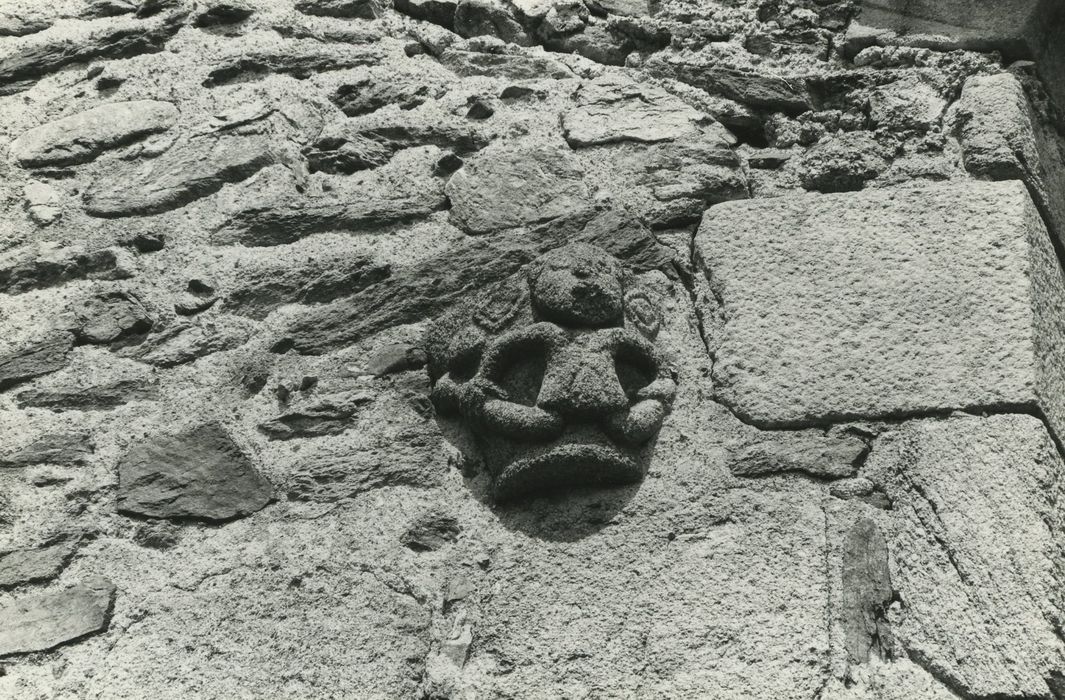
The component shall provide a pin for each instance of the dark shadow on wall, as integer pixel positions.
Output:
(1047, 31)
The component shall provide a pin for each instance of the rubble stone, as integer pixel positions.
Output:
(83, 136)
(200, 473)
(65, 448)
(42, 622)
(43, 202)
(510, 185)
(612, 109)
(43, 356)
(806, 451)
(23, 566)
(842, 163)
(182, 174)
(49, 51)
(272, 211)
(38, 266)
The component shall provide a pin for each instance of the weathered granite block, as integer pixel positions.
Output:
(885, 303)
(1003, 138)
(974, 542)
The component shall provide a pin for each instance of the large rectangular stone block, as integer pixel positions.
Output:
(886, 303)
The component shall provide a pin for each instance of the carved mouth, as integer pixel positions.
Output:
(566, 466)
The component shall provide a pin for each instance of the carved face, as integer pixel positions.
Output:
(556, 374)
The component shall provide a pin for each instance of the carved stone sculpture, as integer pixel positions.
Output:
(556, 374)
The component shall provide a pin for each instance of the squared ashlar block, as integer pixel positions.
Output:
(886, 303)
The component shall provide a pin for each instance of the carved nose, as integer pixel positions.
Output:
(584, 387)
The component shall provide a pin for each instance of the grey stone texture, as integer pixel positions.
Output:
(82, 136)
(974, 538)
(33, 565)
(38, 357)
(186, 172)
(326, 415)
(63, 447)
(809, 451)
(960, 23)
(43, 202)
(45, 265)
(885, 303)
(1004, 137)
(42, 622)
(55, 48)
(1017, 28)
(611, 110)
(275, 209)
(200, 473)
(506, 186)
(228, 229)
(556, 374)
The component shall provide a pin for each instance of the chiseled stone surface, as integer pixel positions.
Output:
(884, 303)
(83, 136)
(975, 540)
(1003, 137)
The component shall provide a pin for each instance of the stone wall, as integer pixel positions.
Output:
(248, 249)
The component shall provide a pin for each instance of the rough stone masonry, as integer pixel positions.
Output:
(583, 349)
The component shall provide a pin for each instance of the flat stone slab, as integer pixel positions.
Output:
(83, 136)
(612, 109)
(188, 171)
(200, 473)
(45, 355)
(41, 622)
(885, 303)
(31, 565)
(69, 447)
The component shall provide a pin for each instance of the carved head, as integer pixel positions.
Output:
(556, 374)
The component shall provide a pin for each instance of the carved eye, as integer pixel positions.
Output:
(642, 312)
(635, 369)
(520, 372)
